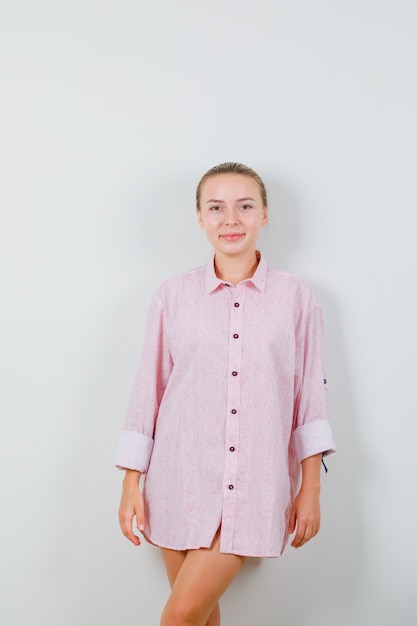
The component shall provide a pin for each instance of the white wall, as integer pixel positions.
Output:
(110, 112)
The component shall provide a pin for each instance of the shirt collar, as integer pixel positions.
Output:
(258, 279)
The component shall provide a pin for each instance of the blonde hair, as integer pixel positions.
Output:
(232, 168)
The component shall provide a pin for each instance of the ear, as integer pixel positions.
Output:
(265, 216)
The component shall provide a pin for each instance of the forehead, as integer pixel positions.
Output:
(229, 187)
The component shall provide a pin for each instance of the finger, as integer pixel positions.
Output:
(129, 534)
(310, 532)
(140, 519)
(300, 531)
(299, 540)
(302, 535)
(126, 527)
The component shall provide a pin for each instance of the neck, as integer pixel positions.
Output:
(235, 269)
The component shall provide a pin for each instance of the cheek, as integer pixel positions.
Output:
(256, 223)
(205, 224)
(209, 229)
(209, 223)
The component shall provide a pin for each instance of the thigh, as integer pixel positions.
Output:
(173, 560)
(200, 581)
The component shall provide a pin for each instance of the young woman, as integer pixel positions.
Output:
(227, 415)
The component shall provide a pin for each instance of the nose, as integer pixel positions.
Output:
(231, 216)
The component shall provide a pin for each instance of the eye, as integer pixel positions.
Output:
(215, 207)
(246, 206)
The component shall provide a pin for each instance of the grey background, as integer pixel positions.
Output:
(110, 113)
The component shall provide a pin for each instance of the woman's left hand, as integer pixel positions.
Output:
(305, 516)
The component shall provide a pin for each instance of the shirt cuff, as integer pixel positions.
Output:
(134, 451)
(313, 438)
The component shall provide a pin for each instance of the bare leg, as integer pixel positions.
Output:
(173, 561)
(198, 579)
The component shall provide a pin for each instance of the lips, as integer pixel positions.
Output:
(232, 236)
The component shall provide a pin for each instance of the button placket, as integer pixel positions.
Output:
(233, 405)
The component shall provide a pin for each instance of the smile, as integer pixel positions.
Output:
(232, 236)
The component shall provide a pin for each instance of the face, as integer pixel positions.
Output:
(232, 213)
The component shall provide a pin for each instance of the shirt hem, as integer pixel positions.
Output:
(168, 546)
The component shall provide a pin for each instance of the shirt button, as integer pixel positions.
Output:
(235, 336)
(237, 304)
(232, 448)
(231, 487)
(234, 373)
(233, 411)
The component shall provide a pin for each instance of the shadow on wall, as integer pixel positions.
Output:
(279, 238)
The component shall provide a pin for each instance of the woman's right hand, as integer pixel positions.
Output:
(131, 505)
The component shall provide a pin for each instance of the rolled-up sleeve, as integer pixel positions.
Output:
(313, 438)
(136, 440)
(134, 451)
(312, 433)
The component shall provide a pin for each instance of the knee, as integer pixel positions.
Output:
(186, 615)
(179, 615)
(214, 619)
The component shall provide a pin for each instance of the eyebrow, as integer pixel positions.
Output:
(238, 200)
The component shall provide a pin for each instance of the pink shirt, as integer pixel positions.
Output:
(228, 400)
